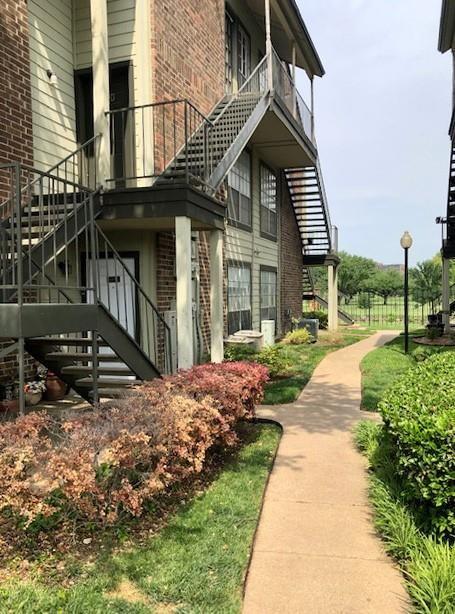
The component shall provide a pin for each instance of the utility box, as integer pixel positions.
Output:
(268, 330)
(253, 336)
(311, 325)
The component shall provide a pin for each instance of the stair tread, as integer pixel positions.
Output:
(81, 356)
(76, 369)
(65, 341)
(106, 381)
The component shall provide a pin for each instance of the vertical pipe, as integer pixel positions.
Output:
(20, 290)
(446, 294)
(268, 45)
(95, 366)
(294, 87)
(216, 296)
(312, 110)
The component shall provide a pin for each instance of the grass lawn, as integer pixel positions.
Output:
(303, 359)
(195, 564)
(428, 564)
(383, 366)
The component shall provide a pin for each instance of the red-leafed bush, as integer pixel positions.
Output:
(110, 461)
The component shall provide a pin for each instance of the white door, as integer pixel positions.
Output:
(116, 291)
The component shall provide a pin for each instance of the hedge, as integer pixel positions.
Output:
(108, 463)
(419, 418)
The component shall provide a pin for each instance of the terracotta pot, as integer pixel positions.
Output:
(33, 398)
(55, 388)
(10, 406)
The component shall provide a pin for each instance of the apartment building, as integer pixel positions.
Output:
(447, 43)
(160, 181)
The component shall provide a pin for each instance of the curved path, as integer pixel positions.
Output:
(316, 551)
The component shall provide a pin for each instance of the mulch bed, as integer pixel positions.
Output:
(440, 341)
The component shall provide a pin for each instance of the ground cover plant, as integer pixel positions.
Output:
(193, 560)
(383, 366)
(291, 366)
(426, 559)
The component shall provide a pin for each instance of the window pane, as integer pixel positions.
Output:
(239, 181)
(239, 298)
(268, 194)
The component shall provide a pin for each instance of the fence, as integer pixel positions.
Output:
(370, 309)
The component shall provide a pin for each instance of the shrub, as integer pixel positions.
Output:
(322, 316)
(239, 352)
(419, 418)
(300, 336)
(421, 353)
(109, 462)
(273, 358)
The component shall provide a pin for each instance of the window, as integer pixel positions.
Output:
(228, 51)
(268, 294)
(243, 55)
(239, 297)
(239, 181)
(268, 202)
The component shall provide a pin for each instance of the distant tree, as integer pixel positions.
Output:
(353, 272)
(319, 275)
(384, 283)
(426, 280)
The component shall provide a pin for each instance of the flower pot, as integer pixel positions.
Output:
(33, 398)
(9, 406)
(55, 388)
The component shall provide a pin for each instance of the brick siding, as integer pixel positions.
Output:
(15, 118)
(291, 265)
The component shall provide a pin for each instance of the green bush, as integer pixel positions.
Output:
(300, 336)
(419, 419)
(234, 352)
(421, 353)
(317, 315)
(273, 358)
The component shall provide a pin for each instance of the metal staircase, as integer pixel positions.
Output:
(214, 146)
(66, 295)
(449, 239)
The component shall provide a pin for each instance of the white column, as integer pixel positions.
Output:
(268, 44)
(144, 92)
(184, 292)
(446, 294)
(216, 296)
(100, 60)
(332, 299)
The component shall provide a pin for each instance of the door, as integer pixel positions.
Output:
(119, 99)
(116, 291)
(243, 55)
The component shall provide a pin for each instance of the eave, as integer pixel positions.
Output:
(447, 26)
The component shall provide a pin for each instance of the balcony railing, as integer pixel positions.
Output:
(285, 88)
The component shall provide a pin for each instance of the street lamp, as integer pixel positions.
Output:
(406, 244)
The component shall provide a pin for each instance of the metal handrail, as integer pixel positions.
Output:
(159, 104)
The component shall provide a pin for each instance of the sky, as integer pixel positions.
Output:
(382, 113)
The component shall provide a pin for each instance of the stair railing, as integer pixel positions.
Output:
(325, 206)
(146, 139)
(138, 317)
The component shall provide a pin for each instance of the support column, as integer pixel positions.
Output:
(332, 275)
(216, 296)
(100, 60)
(446, 294)
(268, 45)
(294, 89)
(185, 358)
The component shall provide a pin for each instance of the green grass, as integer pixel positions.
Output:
(428, 564)
(196, 564)
(383, 366)
(303, 360)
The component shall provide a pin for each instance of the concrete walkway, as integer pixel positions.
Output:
(316, 551)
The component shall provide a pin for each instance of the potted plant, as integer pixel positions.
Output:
(8, 398)
(55, 388)
(34, 392)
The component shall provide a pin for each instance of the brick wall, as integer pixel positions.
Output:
(188, 51)
(291, 265)
(15, 117)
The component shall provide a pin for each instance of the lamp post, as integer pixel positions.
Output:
(406, 244)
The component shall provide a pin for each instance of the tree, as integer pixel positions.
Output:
(384, 283)
(426, 280)
(353, 272)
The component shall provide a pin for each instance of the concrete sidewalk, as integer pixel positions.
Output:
(316, 551)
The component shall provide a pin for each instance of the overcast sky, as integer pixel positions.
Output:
(382, 115)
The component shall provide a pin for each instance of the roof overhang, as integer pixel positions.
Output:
(446, 26)
(287, 25)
